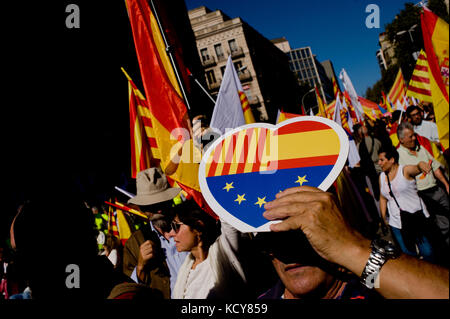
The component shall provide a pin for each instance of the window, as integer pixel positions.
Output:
(299, 56)
(301, 65)
(204, 54)
(222, 69)
(297, 67)
(307, 52)
(211, 77)
(233, 45)
(237, 65)
(309, 72)
(291, 65)
(219, 51)
(304, 74)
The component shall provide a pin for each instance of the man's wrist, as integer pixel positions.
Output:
(356, 256)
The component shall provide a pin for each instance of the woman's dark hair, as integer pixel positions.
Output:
(390, 152)
(192, 215)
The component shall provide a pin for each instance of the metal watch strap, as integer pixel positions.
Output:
(372, 269)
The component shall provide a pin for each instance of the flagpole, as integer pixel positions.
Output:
(204, 90)
(170, 54)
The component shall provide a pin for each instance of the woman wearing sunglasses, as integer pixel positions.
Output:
(212, 269)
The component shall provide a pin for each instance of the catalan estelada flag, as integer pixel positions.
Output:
(398, 90)
(435, 38)
(419, 85)
(248, 168)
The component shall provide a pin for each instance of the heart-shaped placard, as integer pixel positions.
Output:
(249, 165)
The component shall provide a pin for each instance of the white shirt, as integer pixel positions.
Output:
(199, 281)
(427, 129)
(405, 191)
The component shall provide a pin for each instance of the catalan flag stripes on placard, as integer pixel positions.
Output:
(419, 85)
(258, 156)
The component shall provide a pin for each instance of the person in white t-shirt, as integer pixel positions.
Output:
(399, 198)
(426, 129)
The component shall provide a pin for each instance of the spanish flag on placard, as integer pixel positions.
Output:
(435, 38)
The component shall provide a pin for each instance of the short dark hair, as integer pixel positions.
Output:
(411, 108)
(192, 215)
(389, 152)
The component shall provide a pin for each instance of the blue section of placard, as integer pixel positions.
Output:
(243, 195)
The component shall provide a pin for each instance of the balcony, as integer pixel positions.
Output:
(245, 76)
(208, 61)
(221, 57)
(237, 53)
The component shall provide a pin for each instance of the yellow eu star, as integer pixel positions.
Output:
(261, 201)
(301, 180)
(240, 198)
(228, 186)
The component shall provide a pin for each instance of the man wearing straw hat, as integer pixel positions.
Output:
(150, 256)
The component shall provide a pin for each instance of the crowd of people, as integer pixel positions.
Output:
(182, 252)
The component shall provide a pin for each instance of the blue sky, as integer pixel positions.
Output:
(335, 30)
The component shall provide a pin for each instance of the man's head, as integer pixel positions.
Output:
(303, 272)
(406, 135)
(415, 114)
(155, 197)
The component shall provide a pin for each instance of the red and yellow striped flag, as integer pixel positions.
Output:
(112, 224)
(144, 148)
(322, 111)
(330, 110)
(248, 114)
(123, 227)
(385, 103)
(435, 38)
(398, 90)
(419, 85)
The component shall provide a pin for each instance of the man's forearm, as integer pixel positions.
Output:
(410, 278)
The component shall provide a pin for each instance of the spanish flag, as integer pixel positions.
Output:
(168, 111)
(435, 38)
(283, 116)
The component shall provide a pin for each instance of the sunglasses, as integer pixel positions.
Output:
(176, 226)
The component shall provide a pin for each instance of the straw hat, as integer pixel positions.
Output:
(152, 188)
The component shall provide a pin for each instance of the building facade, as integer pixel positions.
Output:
(268, 86)
(386, 53)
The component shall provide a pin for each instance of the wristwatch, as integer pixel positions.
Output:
(382, 251)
